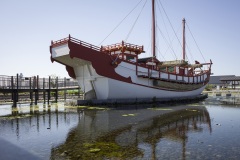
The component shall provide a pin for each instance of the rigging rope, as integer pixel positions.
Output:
(135, 22)
(163, 21)
(169, 44)
(120, 23)
(189, 51)
(196, 43)
(170, 24)
(160, 53)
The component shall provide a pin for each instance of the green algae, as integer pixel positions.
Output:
(130, 114)
(86, 107)
(99, 149)
(94, 150)
(161, 109)
(20, 116)
(192, 110)
(96, 108)
(195, 105)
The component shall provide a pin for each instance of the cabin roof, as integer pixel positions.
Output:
(218, 79)
(147, 59)
(143, 60)
(235, 78)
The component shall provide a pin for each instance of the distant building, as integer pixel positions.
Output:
(225, 81)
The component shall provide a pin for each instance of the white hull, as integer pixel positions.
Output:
(117, 89)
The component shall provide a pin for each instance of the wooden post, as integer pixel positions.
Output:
(49, 89)
(56, 91)
(44, 93)
(13, 92)
(36, 90)
(31, 93)
(65, 89)
(12, 87)
(16, 92)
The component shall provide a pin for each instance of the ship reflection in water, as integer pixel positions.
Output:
(130, 132)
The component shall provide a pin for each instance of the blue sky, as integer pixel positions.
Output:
(28, 26)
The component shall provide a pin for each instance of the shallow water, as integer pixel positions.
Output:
(209, 129)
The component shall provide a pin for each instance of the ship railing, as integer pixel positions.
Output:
(194, 79)
(60, 42)
(85, 44)
(74, 40)
(118, 46)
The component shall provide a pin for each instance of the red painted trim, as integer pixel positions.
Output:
(71, 72)
(101, 62)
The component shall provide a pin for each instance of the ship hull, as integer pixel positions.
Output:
(117, 89)
(100, 79)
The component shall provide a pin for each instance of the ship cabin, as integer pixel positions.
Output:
(125, 51)
(130, 52)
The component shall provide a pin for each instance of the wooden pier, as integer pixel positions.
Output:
(33, 86)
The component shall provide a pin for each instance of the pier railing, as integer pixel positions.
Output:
(35, 88)
(34, 82)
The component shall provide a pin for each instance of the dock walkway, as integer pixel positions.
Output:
(19, 85)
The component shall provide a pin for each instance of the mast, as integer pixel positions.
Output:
(153, 29)
(184, 40)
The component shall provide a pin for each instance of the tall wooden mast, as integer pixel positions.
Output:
(153, 29)
(184, 40)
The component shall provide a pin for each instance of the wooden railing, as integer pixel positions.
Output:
(177, 77)
(59, 42)
(127, 46)
(74, 40)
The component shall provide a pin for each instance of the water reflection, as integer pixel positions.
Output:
(37, 128)
(230, 100)
(133, 133)
(34, 116)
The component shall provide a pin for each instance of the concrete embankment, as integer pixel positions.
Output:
(223, 93)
